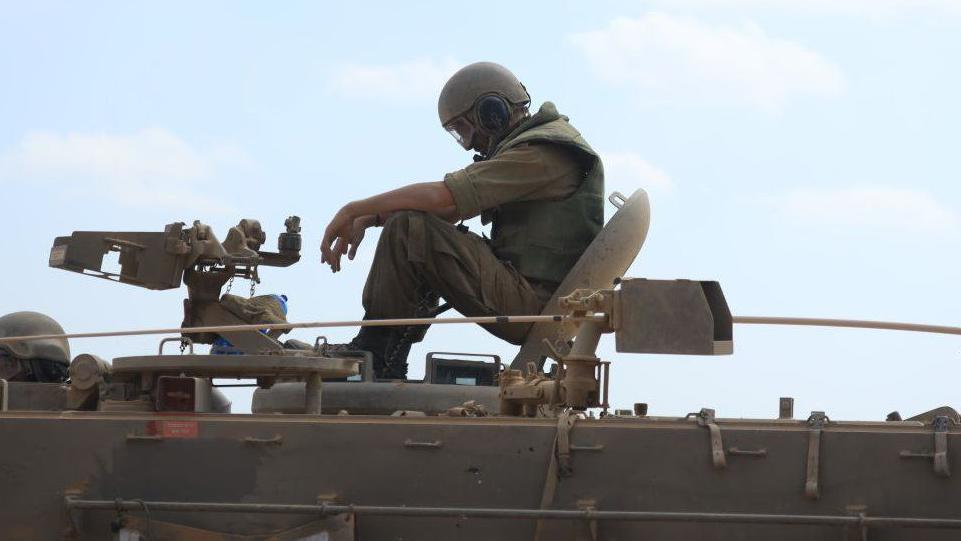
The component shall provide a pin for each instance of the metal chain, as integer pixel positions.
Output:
(253, 287)
(230, 284)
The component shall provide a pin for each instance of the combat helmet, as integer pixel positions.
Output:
(480, 97)
(43, 360)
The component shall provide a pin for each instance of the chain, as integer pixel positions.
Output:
(230, 284)
(253, 287)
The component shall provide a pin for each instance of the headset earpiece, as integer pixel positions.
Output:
(493, 113)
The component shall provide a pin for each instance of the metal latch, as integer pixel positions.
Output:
(942, 468)
(941, 465)
(816, 422)
(705, 417)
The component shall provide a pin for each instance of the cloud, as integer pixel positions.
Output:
(873, 9)
(908, 210)
(421, 78)
(670, 59)
(149, 168)
(627, 172)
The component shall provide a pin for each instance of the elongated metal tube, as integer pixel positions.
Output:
(847, 323)
(312, 394)
(739, 320)
(308, 325)
(587, 338)
(523, 514)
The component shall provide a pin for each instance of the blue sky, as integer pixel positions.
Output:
(804, 154)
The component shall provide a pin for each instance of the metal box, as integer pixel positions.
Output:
(679, 317)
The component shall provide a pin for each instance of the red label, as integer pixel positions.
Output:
(173, 429)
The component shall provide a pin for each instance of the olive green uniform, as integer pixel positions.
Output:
(541, 188)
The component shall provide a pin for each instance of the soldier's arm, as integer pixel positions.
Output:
(525, 173)
(432, 197)
(342, 233)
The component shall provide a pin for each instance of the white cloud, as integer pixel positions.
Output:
(679, 60)
(419, 78)
(627, 171)
(149, 168)
(908, 210)
(874, 9)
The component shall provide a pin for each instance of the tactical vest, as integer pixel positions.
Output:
(543, 239)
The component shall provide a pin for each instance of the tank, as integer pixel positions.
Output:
(144, 447)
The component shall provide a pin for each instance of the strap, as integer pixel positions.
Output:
(705, 418)
(942, 467)
(816, 421)
(559, 464)
(565, 423)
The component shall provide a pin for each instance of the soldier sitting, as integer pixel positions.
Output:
(535, 180)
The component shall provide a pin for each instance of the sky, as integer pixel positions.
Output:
(802, 153)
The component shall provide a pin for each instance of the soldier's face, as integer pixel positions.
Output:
(462, 131)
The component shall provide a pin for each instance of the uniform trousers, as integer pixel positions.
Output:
(421, 257)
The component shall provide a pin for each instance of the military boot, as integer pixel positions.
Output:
(395, 355)
(381, 343)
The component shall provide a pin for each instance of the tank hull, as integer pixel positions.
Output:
(637, 464)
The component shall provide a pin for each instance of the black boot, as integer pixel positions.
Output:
(390, 346)
(387, 349)
(394, 365)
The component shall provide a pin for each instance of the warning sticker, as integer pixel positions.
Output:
(173, 429)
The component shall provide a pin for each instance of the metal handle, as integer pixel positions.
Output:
(276, 440)
(597, 447)
(143, 437)
(760, 453)
(436, 444)
(181, 339)
(617, 199)
(433, 354)
(496, 358)
(942, 467)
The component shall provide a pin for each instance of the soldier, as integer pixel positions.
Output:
(534, 179)
(37, 360)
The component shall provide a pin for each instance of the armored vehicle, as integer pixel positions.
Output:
(145, 446)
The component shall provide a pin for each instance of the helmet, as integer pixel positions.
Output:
(49, 357)
(489, 87)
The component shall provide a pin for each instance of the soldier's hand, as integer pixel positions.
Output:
(357, 236)
(337, 237)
